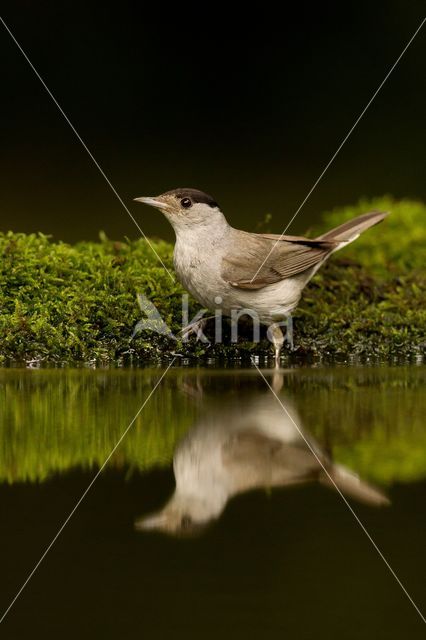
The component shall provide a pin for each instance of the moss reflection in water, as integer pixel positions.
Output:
(53, 421)
(372, 420)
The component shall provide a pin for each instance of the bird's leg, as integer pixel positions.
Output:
(278, 341)
(195, 328)
(289, 332)
(277, 380)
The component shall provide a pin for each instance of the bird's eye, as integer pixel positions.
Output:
(186, 203)
(186, 522)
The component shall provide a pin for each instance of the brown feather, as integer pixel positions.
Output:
(288, 258)
(352, 228)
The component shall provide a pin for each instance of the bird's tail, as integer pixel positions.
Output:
(352, 486)
(349, 231)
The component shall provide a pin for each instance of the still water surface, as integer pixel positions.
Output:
(218, 514)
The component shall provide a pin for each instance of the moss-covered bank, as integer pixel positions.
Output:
(65, 303)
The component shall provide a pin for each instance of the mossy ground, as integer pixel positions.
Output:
(63, 303)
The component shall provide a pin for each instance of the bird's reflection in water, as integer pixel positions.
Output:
(248, 443)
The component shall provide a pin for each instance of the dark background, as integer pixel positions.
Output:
(293, 564)
(249, 108)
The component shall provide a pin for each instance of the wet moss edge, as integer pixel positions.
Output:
(61, 303)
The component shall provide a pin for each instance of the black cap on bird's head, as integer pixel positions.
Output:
(185, 207)
(194, 195)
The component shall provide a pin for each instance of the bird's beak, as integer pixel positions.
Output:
(153, 202)
(149, 523)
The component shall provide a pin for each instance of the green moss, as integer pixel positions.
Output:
(62, 302)
(370, 299)
(65, 303)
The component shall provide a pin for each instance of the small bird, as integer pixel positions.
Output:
(242, 445)
(226, 268)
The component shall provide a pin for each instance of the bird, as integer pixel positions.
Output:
(242, 445)
(227, 268)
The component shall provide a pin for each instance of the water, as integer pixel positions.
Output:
(258, 542)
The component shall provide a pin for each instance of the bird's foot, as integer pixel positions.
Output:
(275, 335)
(277, 357)
(289, 332)
(277, 338)
(196, 329)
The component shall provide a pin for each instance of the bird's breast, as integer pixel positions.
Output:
(198, 270)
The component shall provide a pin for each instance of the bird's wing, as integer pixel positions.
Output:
(254, 459)
(291, 255)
